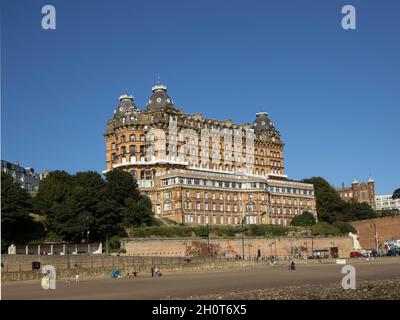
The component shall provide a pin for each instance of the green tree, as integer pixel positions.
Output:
(137, 213)
(17, 225)
(330, 207)
(358, 211)
(325, 229)
(84, 202)
(120, 186)
(305, 219)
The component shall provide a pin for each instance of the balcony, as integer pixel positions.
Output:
(146, 183)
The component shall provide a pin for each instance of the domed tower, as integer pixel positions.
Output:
(262, 123)
(159, 98)
(268, 147)
(126, 104)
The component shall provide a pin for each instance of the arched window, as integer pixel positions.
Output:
(132, 137)
(122, 138)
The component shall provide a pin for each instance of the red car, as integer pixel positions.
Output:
(355, 254)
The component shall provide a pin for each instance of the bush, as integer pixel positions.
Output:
(305, 219)
(114, 243)
(202, 232)
(325, 229)
(344, 227)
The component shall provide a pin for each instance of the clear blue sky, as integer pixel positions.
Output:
(333, 94)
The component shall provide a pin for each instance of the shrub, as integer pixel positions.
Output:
(325, 229)
(344, 227)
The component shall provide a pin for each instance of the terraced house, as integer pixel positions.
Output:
(198, 170)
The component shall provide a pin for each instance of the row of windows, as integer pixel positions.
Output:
(218, 220)
(288, 211)
(230, 184)
(235, 197)
(132, 137)
(142, 138)
(289, 201)
(214, 207)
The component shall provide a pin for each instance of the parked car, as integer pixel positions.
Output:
(393, 252)
(355, 254)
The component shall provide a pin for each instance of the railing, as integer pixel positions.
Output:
(146, 183)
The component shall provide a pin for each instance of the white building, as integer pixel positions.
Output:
(386, 202)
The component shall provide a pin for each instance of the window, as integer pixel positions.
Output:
(221, 207)
(198, 195)
(132, 137)
(198, 206)
(206, 206)
(122, 138)
(132, 150)
(167, 195)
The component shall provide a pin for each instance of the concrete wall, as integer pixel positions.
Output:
(233, 247)
(19, 267)
(387, 228)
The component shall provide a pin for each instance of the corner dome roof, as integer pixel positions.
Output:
(262, 123)
(126, 104)
(159, 98)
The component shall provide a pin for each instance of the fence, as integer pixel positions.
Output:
(68, 262)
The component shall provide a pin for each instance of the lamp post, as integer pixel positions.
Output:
(270, 245)
(243, 237)
(376, 236)
(88, 233)
(208, 241)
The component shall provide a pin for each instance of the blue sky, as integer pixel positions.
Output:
(333, 94)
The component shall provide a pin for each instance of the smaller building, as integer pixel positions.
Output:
(359, 191)
(386, 202)
(26, 177)
(56, 248)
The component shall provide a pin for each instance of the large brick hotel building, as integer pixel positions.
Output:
(204, 171)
